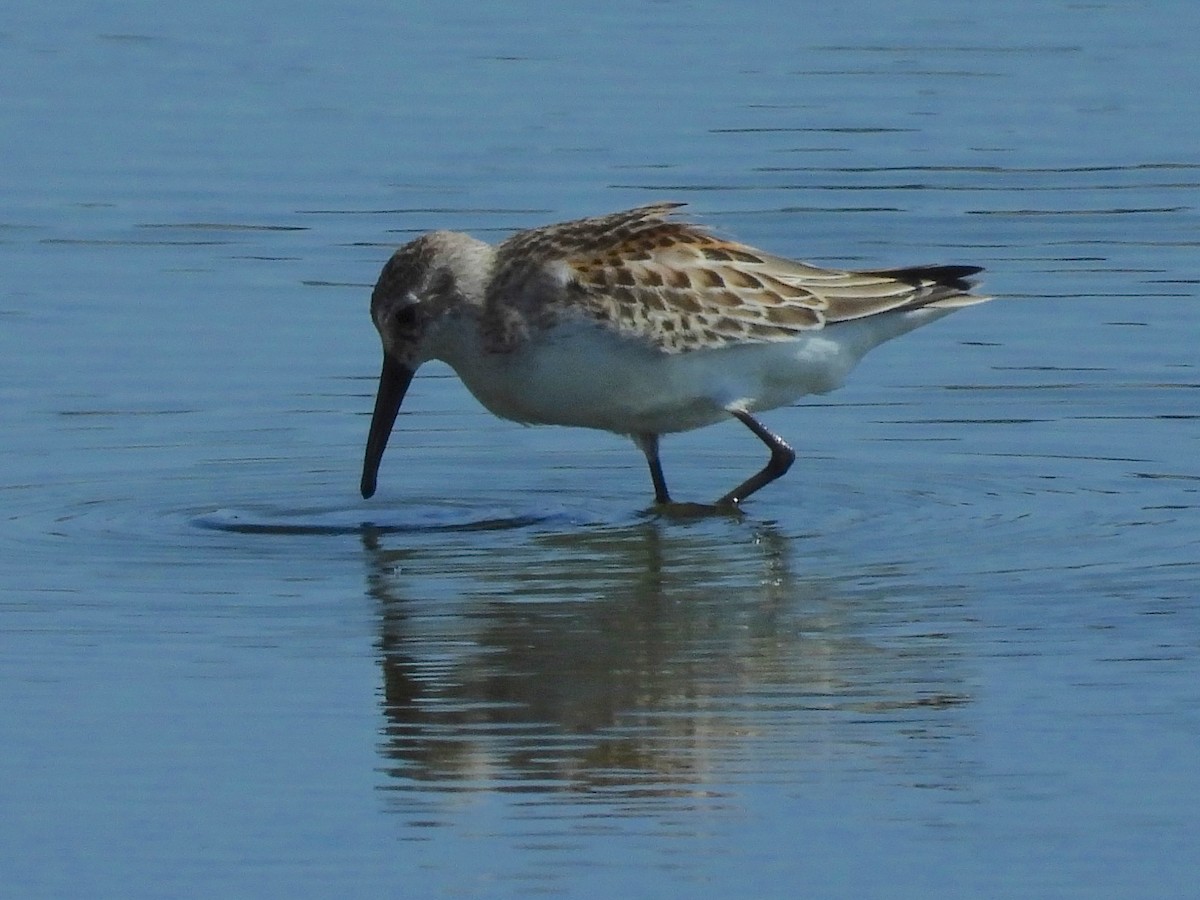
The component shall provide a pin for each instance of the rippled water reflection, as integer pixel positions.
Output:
(629, 662)
(953, 652)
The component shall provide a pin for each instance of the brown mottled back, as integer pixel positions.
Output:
(680, 288)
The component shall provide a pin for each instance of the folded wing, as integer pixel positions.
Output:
(681, 288)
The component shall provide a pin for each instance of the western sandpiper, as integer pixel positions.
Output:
(637, 323)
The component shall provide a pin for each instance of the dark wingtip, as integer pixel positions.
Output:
(958, 278)
(961, 278)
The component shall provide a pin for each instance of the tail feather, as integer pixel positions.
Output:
(954, 277)
(943, 287)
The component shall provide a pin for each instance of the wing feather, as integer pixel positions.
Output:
(681, 288)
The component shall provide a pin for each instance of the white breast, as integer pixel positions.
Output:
(589, 377)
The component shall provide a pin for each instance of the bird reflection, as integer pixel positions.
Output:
(623, 660)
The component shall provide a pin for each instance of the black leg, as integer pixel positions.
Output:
(782, 457)
(649, 446)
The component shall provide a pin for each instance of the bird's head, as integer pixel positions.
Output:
(423, 281)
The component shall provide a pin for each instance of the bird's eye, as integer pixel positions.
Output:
(405, 317)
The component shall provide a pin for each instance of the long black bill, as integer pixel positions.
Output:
(393, 383)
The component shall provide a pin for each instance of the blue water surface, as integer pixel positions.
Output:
(953, 653)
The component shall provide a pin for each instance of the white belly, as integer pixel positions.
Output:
(592, 378)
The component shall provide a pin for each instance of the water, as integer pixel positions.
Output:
(953, 653)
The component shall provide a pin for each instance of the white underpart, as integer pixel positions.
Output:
(583, 375)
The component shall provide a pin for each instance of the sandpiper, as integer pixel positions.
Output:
(637, 323)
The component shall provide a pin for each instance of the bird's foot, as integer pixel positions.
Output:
(688, 512)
